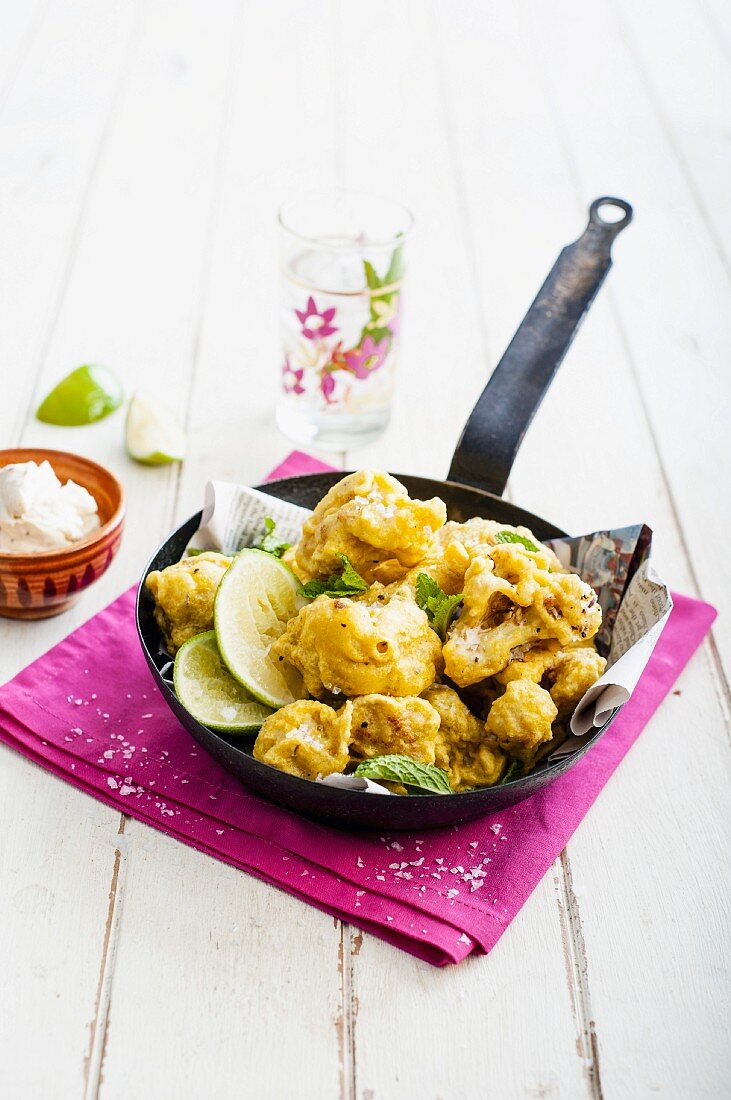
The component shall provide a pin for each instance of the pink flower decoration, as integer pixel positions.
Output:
(369, 357)
(327, 386)
(292, 379)
(316, 323)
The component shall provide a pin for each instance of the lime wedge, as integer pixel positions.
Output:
(88, 394)
(209, 692)
(152, 434)
(256, 598)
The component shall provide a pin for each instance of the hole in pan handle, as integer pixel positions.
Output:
(496, 427)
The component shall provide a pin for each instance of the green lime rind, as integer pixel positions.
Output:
(84, 396)
(402, 769)
(256, 598)
(209, 692)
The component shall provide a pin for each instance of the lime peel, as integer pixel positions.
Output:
(209, 692)
(84, 396)
(256, 598)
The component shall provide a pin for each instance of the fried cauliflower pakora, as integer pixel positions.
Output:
(513, 598)
(352, 647)
(521, 720)
(457, 544)
(571, 676)
(305, 738)
(370, 517)
(382, 724)
(465, 750)
(184, 594)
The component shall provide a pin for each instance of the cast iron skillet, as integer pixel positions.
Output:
(476, 480)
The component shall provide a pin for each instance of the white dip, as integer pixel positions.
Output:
(38, 513)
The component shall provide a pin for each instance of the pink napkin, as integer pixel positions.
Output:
(440, 896)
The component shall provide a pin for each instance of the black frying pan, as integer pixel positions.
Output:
(477, 478)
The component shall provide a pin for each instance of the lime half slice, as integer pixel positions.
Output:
(209, 692)
(86, 395)
(256, 598)
(152, 434)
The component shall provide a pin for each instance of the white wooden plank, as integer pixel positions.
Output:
(52, 127)
(582, 495)
(477, 1006)
(690, 101)
(56, 862)
(230, 987)
(501, 1026)
(19, 24)
(673, 294)
(231, 930)
(397, 134)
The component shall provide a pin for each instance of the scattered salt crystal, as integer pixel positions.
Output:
(464, 939)
(439, 860)
(436, 875)
(78, 702)
(417, 862)
(112, 782)
(381, 878)
(76, 729)
(359, 893)
(142, 716)
(359, 862)
(93, 695)
(389, 918)
(108, 754)
(452, 893)
(396, 846)
(473, 844)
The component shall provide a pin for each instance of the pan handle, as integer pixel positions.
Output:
(494, 432)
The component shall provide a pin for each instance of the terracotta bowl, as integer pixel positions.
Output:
(36, 586)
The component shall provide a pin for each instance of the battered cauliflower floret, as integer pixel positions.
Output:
(184, 595)
(491, 625)
(521, 719)
(573, 673)
(370, 517)
(381, 725)
(464, 749)
(457, 544)
(362, 648)
(513, 598)
(475, 765)
(305, 739)
(530, 663)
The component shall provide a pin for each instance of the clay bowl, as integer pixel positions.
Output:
(37, 586)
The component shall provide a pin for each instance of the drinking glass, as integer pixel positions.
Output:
(342, 267)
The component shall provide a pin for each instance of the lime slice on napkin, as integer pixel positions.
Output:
(152, 434)
(256, 598)
(84, 396)
(209, 692)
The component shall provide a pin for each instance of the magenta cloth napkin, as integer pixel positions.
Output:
(440, 895)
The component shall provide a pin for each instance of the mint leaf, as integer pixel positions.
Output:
(396, 267)
(402, 769)
(372, 278)
(269, 542)
(439, 607)
(521, 540)
(515, 771)
(347, 583)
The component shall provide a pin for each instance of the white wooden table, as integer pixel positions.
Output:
(144, 148)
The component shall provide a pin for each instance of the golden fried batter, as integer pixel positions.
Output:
(572, 675)
(362, 648)
(521, 719)
(184, 595)
(305, 738)
(512, 598)
(382, 724)
(530, 662)
(457, 544)
(370, 517)
(466, 752)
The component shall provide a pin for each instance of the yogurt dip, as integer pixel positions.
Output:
(38, 513)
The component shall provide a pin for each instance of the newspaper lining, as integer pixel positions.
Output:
(635, 601)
